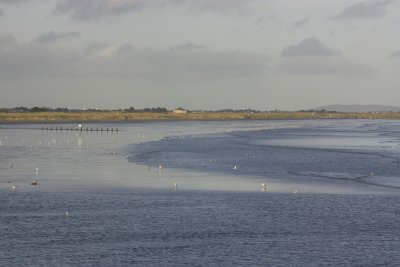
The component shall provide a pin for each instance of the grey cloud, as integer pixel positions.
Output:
(311, 57)
(107, 50)
(364, 10)
(12, 1)
(159, 63)
(7, 41)
(227, 63)
(187, 47)
(266, 19)
(226, 6)
(36, 60)
(309, 47)
(56, 36)
(125, 49)
(324, 66)
(97, 9)
(1, 12)
(301, 23)
(94, 48)
(395, 55)
(32, 59)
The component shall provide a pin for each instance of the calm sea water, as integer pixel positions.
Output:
(331, 199)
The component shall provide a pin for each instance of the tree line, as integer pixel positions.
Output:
(47, 109)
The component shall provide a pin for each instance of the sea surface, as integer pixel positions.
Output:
(230, 193)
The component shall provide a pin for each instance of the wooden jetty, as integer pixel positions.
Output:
(79, 129)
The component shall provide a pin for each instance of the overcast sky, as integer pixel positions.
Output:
(199, 54)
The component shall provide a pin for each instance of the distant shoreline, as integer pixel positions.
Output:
(119, 116)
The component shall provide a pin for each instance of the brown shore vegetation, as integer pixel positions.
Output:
(119, 116)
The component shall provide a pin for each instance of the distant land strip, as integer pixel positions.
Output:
(119, 116)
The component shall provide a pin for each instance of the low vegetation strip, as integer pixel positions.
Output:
(81, 116)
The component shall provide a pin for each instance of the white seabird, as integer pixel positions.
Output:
(263, 187)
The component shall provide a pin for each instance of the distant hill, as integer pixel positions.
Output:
(359, 108)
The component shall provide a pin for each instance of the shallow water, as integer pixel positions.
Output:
(123, 209)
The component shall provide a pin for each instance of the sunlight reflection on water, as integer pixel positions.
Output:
(74, 160)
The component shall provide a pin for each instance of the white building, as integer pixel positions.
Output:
(180, 111)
